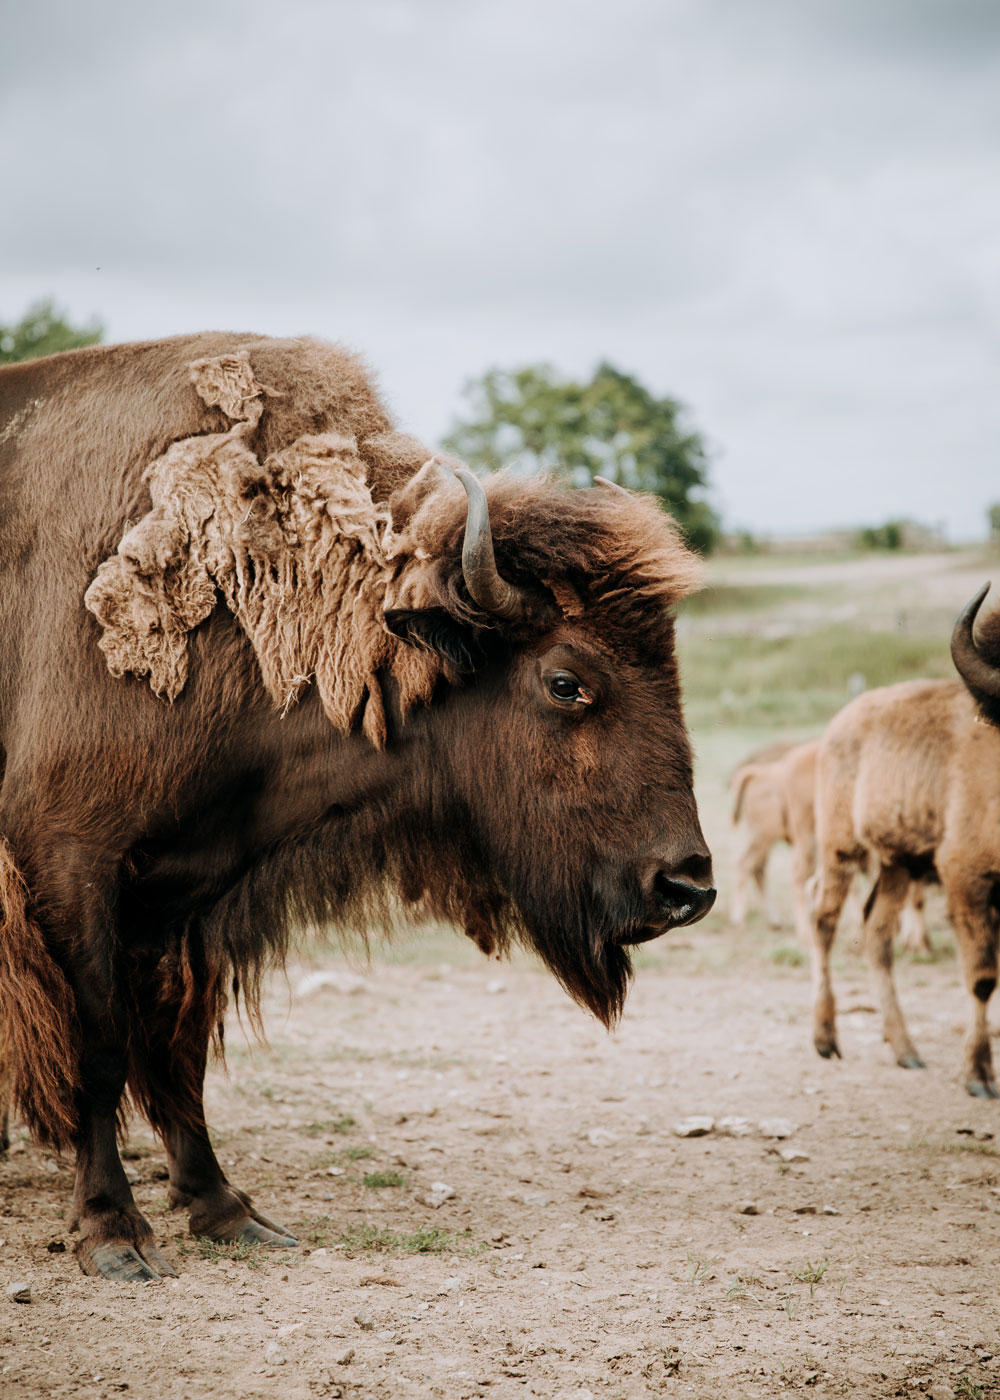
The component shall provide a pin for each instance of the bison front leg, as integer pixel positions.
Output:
(881, 922)
(751, 865)
(116, 1240)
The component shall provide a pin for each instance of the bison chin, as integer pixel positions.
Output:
(583, 939)
(597, 978)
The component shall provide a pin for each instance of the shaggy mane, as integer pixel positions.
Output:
(309, 563)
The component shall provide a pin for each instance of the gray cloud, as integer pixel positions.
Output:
(787, 214)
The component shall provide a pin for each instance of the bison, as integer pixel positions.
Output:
(774, 797)
(266, 662)
(906, 773)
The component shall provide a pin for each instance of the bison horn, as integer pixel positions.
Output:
(970, 663)
(486, 588)
(611, 485)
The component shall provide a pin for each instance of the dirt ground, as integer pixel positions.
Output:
(587, 1250)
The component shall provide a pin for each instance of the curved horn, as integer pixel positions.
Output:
(611, 485)
(492, 593)
(969, 661)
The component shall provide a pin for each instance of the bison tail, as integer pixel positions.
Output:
(738, 787)
(39, 1035)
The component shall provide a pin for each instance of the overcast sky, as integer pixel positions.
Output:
(785, 213)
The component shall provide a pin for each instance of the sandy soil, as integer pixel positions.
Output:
(586, 1251)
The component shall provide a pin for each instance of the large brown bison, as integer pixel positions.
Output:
(906, 773)
(262, 664)
(977, 659)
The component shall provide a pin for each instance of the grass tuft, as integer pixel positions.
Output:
(376, 1179)
(429, 1239)
(343, 1124)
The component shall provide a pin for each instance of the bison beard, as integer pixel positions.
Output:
(350, 741)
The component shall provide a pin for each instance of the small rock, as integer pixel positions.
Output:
(346, 983)
(132, 1176)
(50, 1165)
(776, 1127)
(793, 1154)
(830, 1210)
(535, 1198)
(335, 1171)
(697, 1126)
(601, 1137)
(454, 1284)
(735, 1127)
(343, 1358)
(804, 1210)
(495, 986)
(19, 1291)
(54, 1246)
(436, 1196)
(364, 1321)
(273, 1354)
(748, 1208)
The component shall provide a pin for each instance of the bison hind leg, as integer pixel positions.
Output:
(881, 923)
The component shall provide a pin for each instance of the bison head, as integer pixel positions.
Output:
(557, 769)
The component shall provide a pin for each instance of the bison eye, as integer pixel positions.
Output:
(564, 687)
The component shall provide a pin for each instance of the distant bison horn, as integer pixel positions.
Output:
(611, 485)
(970, 663)
(492, 593)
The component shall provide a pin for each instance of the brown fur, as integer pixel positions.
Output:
(347, 738)
(37, 1013)
(908, 774)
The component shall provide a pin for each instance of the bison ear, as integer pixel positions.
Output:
(434, 629)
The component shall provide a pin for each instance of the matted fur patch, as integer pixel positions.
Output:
(293, 544)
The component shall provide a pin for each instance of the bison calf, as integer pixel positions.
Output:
(773, 798)
(908, 774)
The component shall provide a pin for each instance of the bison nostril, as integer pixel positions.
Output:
(682, 901)
(697, 869)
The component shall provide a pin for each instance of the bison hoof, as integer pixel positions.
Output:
(255, 1232)
(827, 1047)
(125, 1263)
(982, 1089)
(254, 1229)
(911, 1060)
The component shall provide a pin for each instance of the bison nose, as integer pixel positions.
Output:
(685, 893)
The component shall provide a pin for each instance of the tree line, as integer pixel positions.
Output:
(533, 418)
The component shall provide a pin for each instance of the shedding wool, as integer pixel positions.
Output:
(294, 544)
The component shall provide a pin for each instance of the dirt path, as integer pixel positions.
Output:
(586, 1250)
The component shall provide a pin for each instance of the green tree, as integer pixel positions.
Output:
(43, 330)
(993, 515)
(609, 425)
